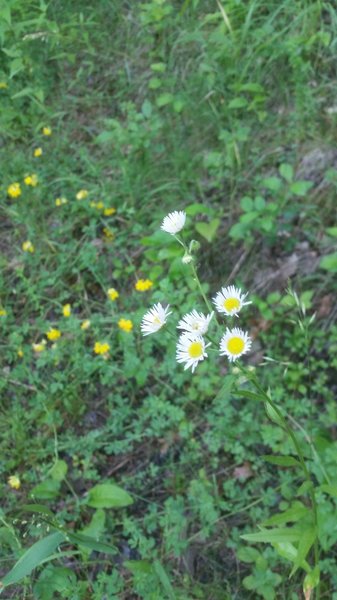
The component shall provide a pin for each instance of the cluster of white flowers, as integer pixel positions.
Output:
(191, 346)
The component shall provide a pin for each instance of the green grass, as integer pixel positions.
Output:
(160, 106)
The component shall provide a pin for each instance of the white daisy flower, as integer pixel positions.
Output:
(196, 323)
(174, 222)
(191, 350)
(230, 300)
(234, 343)
(154, 319)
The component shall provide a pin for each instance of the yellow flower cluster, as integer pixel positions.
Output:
(143, 285)
(14, 190)
(125, 325)
(101, 206)
(53, 334)
(46, 131)
(14, 482)
(101, 348)
(66, 309)
(108, 233)
(27, 246)
(38, 152)
(86, 324)
(31, 180)
(82, 194)
(3, 312)
(60, 201)
(40, 347)
(112, 294)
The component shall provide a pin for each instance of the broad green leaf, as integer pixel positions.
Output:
(54, 580)
(33, 557)
(139, 566)
(147, 109)
(311, 580)
(239, 102)
(332, 231)
(270, 536)
(108, 495)
(47, 490)
(296, 512)
(91, 543)
(331, 490)
(164, 99)
(38, 509)
(329, 263)
(247, 204)
(300, 188)
(208, 230)
(287, 172)
(59, 470)
(272, 183)
(282, 461)
(198, 209)
(164, 580)
(96, 526)
(306, 542)
(248, 554)
(259, 203)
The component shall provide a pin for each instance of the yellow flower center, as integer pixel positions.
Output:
(156, 320)
(235, 345)
(231, 304)
(195, 350)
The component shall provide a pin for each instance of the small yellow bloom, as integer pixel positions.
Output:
(20, 353)
(31, 180)
(28, 247)
(14, 190)
(108, 233)
(142, 285)
(38, 152)
(46, 131)
(112, 294)
(66, 309)
(3, 312)
(60, 201)
(100, 205)
(3, 85)
(81, 194)
(14, 482)
(101, 348)
(86, 324)
(53, 334)
(109, 211)
(39, 347)
(125, 325)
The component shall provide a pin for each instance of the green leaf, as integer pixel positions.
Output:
(155, 83)
(91, 543)
(198, 209)
(332, 231)
(164, 580)
(306, 542)
(108, 495)
(38, 509)
(247, 204)
(331, 490)
(59, 470)
(248, 554)
(272, 183)
(329, 263)
(239, 102)
(300, 188)
(259, 203)
(47, 490)
(138, 566)
(164, 99)
(295, 513)
(33, 557)
(54, 580)
(270, 536)
(287, 172)
(147, 109)
(282, 461)
(208, 230)
(311, 580)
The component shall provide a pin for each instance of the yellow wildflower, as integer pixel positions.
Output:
(81, 194)
(14, 190)
(38, 152)
(86, 324)
(40, 347)
(14, 482)
(53, 334)
(3, 312)
(101, 348)
(142, 285)
(66, 309)
(60, 201)
(3, 85)
(31, 180)
(20, 353)
(112, 294)
(108, 233)
(125, 325)
(28, 247)
(46, 131)
(109, 211)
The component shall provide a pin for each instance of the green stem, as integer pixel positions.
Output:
(305, 470)
(195, 275)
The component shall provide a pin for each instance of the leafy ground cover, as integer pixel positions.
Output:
(130, 477)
